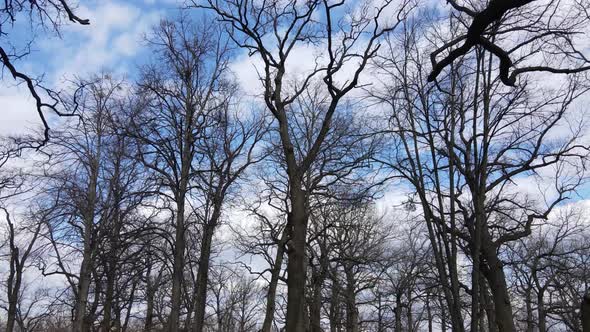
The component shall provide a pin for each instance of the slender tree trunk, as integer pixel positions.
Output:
(316, 304)
(398, 313)
(79, 323)
(108, 303)
(489, 306)
(529, 310)
(585, 312)
(151, 288)
(451, 292)
(541, 311)
(443, 316)
(380, 325)
(409, 316)
(351, 309)
(14, 284)
(335, 305)
(272, 286)
(178, 267)
(203, 273)
(82, 299)
(429, 314)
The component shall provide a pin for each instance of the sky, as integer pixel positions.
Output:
(114, 42)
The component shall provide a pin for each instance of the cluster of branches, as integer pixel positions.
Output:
(44, 14)
(172, 204)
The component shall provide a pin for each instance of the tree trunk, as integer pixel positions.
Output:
(79, 323)
(541, 311)
(489, 307)
(151, 288)
(178, 267)
(429, 314)
(316, 305)
(335, 305)
(272, 286)
(410, 318)
(585, 312)
(14, 284)
(296, 268)
(398, 313)
(529, 311)
(82, 298)
(442, 259)
(351, 309)
(496, 278)
(108, 302)
(203, 273)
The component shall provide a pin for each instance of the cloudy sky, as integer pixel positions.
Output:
(113, 42)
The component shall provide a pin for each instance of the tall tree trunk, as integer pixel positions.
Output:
(108, 302)
(529, 310)
(335, 304)
(585, 312)
(351, 309)
(151, 288)
(429, 313)
(79, 323)
(82, 298)
(14, 284)
(398, 313)
(489, 306)
(442, 260)
(494, 273)
(541, 312)
(410, 318)
(443, 316)
(271, 294)
(203, 272)
(178, 267)
(296, 268)
(316, 304)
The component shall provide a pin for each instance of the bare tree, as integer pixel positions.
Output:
(194, 140)
(78, 194)
(542, 260)
(22, 248)
(272, 31)
(462, 148)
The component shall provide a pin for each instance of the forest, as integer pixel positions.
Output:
(301, 166)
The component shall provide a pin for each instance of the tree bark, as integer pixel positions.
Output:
(335, 305)
(496, 278)
(177, 270)
(398, 313)
(351, 309)
(79, 322)
(296, 267)
(529, 310)
(541, 312)
(179, 237)
(272, 286)
(585, 312)
(14, 284)
(203, 274)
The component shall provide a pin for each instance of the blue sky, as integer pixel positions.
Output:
(113, 42)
